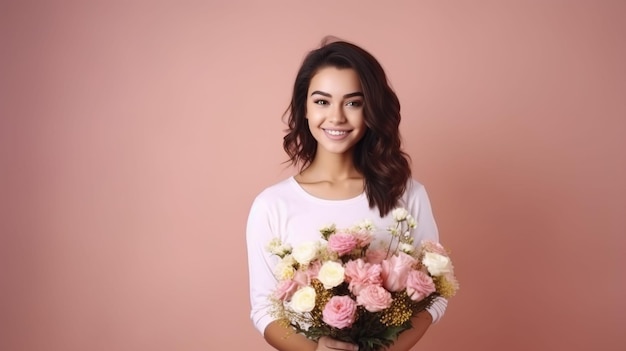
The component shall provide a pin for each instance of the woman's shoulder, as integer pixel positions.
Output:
(276, 190)
(413, 185)
(415, 190)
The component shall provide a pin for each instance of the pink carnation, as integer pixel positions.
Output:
(342, 243)
(375, 256)
(360, 274)
(374, 298)
(285, 289)
(396, 271)
(419, 285)
(339, 312)
(363, 237)
(435, 247)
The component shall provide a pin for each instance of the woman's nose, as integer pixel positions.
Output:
(337, 115)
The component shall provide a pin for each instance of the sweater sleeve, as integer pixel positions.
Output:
(427, 230)
(260, 263)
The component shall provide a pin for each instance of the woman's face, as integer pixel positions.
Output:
(335, 109)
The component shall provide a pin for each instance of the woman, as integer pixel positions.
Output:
(343, 134)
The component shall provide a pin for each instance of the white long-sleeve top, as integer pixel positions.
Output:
(285, 210)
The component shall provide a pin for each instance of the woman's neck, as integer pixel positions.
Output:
(331, 168)
(332, 177)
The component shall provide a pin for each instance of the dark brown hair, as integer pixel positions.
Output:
(378, 155)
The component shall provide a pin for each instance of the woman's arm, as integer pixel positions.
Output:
(262, 282)
(285, 339)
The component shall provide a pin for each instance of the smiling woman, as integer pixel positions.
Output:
(335, 110)
(343, 135)
(357, 71)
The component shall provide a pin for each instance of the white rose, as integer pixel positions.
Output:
(437, 264)
(284, 269)
(399, 214)
(305, 252)
(303, 300)
(331, 274)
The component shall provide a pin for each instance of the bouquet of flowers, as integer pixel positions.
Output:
(342, 288)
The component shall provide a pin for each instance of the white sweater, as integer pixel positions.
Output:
(285, 210)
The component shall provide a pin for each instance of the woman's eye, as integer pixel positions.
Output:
(320, 102)
(355, 103)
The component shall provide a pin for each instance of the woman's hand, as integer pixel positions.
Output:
(326, 343)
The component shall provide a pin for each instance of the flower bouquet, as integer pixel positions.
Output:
(342, 288)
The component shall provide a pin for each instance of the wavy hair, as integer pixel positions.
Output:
(378, 155)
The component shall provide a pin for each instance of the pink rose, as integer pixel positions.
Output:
(374, 298)
(360, 274)
(339, 312)
(396, 271)
(419, 285)
(375, 256)
(285, 289)
(342, 243)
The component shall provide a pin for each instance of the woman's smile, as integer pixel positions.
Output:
(335, 110)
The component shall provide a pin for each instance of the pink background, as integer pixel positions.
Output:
(134, 136)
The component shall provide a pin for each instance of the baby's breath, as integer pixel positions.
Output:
(322, 296)
(444, 287)
(399, 312)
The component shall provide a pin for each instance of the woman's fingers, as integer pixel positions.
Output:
(332, 344)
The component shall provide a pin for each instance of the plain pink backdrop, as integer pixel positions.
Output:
(135, 135)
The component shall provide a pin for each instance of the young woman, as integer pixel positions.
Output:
(343, 134)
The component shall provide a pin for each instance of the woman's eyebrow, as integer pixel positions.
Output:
(358, 93)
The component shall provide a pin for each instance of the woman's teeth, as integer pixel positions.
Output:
(336, 132)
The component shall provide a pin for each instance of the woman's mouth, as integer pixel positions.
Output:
(336, 134)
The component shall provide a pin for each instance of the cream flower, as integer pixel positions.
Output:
(399, 214)
(284, 269)
(411, 222)
(407, 248)
(305, 252)
(328, 228)
(331, 274)
(393, 230)
(276, 247)
(303, 300)
(366, 224)
(437, 264)
(406, 237)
